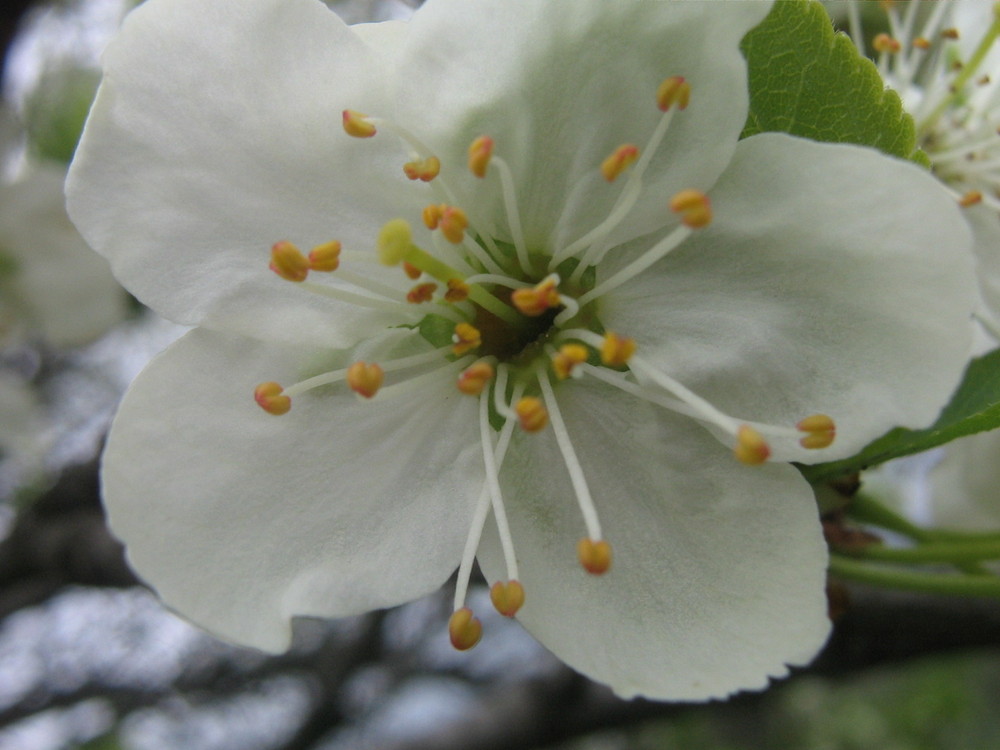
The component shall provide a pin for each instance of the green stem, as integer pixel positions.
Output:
(908, 580)
(934, 552)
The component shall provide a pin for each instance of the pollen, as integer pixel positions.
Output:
(675, 91)
(357, 124)
(751, 448)
(474, 378)
(565, 361)
(885, 43)
(594, 555)
(466, 338)
(453, 224)
(432, 215)
(288, 261)
(618, 161)
(507, 597)
(532, 414)
(464, 629)
(616, 350)
(537, 300)
(694, 208)
(820, 431)
(394, 242)
(458, 291)
(269, 397)
(421, 293)
(365, 378)
(971, 198)
(424, 170)
(480, 153)
(325, 257)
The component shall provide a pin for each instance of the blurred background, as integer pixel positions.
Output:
(89, 659)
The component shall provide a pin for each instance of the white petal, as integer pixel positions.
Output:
(215, 133)
(832, 280)
(718, 574)
(560, 85)
(242, 520)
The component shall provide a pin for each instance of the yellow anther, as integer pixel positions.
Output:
(618, 161)
(453, 224)
(820, 431)
(365, 378)
(885, 43)
(922, 42)
(971, 198)
(474, 378)
(325, 257)
(480, 153)
(394, 242)
(507, 597)
(532, 414)
(288, 261)
(424, 170)
(751, 448)
(594, 555)
(673, 92)
(538, 299)
(458, 291)
(565, 361)
(951, 33)
(694, 207)
(357, 125)
(464, 629)
(432, 215)
(421, 293)
(616, 350)
(269, 397)
(466, 338)
(411, 270)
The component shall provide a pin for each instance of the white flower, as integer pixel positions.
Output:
(217, 133)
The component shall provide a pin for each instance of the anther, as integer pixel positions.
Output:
(453, 224)
(537, 300)
(751, 448)
(951, 33)
(474, 378)
(269, 397)
(325, 257)
(357, 125)
(618, 161)
(466, 338)
(421, 293)
(424, 170)
(565, 361)
(365, 378)
(458, 291)
(694, 207)
(885, 43)
(411, 270)
(820, 431)
(532, 414)
(616, 350)
(480, 153)
(594, 555)
(464, 629)
(288, 261)
(673, 92)
(921, 42)
(971, 198)
(394, 242)
(507, 597)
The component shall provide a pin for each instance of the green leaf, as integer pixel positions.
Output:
(975, 407)
(807, 80)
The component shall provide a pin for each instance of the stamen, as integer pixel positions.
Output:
(453, 224)
(883, 43)
(271, 399)
(357, 124)
(675, 91)
(539, 299)
(288, 262)
(480, 153)
(490, 463)
(694, 207)
(466, 338)
(532, 414)
(513, 216)
(411, 271)
(475, 378)
(421, 293)
(616, 350)
(325, 258)
(464, 629)
(751, 448)
(618, 161)
(594, 555)
(365, 378)
(424, 170)
(970, 198)
(507, 597)
(820, 431)
(458, 291)
(566, 360)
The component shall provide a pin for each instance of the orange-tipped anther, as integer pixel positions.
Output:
(269, 397)
(453, 224)
(325, 257)
(458, 291)
(694, 208)
(432, 215)
(565, 361)
(532, 414)
(618, 161)
(751, 448)
(357, 124)
(480, 153)
(466, 338)
(464, 629)
(288, 261)
(424, 170)
(474, 378)
(421, 293)
(595, 555)
(951, 33)
(673, 92)
(507, 597)
(616, 350)
(365, 378)
(885, 43)
(411, 270)
(820, 431)
(536, 300)
(922, 42)
(971, 198)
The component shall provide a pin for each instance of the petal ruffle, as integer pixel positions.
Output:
(832, 280)
(242, 520)
(719, 569)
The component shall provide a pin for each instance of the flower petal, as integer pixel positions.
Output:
(215, 133)
(242, 520)
(832, 280)
(718, 574)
